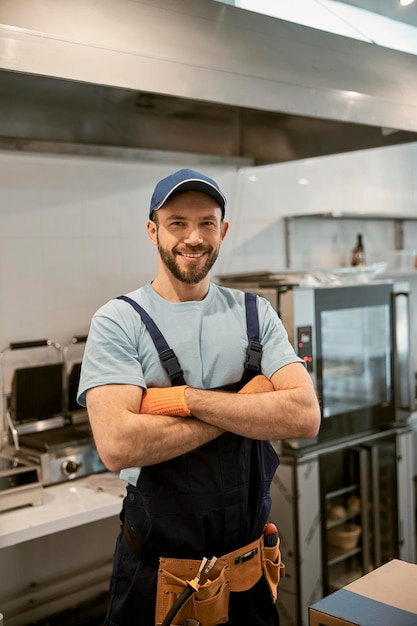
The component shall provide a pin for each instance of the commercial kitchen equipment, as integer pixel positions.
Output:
(355, 339)
(39, 427)
(20, 483)
(72, 359)
(344, 501)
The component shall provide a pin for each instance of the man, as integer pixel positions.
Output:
(185, 411)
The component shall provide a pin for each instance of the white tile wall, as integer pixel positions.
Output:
(72, 230)
(73, 235)
(377, 181)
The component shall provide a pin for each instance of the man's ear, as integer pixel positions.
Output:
(224, 226)
(152, 232)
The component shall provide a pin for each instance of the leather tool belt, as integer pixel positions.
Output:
(237, 571)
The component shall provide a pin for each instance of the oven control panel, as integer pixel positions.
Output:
(305, 345)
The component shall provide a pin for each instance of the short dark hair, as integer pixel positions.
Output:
(154, 217)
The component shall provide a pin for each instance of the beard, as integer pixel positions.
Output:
(193, 274)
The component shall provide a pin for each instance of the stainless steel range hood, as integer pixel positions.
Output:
(154, 79)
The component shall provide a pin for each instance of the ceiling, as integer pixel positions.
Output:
(54, 114)
(388, 8)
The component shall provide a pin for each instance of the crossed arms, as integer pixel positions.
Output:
(127, 436)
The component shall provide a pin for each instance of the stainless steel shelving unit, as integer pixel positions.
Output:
(397, 220)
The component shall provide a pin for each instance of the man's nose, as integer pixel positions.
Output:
(193, 237)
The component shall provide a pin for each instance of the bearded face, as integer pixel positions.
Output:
(194, 271)
(188, 232)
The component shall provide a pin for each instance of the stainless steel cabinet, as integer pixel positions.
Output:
(342, 510)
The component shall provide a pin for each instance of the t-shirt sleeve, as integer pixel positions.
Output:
(277, 351)
(110, 357)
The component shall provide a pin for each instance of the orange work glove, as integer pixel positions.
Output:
(165, 401)
(258, 384)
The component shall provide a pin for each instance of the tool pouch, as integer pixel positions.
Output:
(273, 568)
(209, 605)
(234, 572)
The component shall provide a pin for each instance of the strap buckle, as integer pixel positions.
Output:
(171, 364)
(254, 356)
(246, 557)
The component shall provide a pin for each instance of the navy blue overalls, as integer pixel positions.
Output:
(207, 502)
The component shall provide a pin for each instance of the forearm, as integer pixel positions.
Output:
(150, 439)
(126, 438)
(290, 411)
(273, 415)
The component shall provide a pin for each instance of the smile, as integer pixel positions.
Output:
(189, 255)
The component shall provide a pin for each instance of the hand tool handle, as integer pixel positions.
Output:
(270, 535)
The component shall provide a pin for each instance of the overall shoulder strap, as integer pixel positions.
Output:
(169, 359)
(167, 356)
(254, 351)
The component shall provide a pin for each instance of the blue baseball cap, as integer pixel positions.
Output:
(185, 180)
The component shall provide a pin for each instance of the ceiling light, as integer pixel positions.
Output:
(404, 3)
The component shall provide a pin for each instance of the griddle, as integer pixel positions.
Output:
(47, 440)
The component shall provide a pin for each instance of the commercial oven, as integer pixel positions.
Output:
(356, 342)
(344, 502)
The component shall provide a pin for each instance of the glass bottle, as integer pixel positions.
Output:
(358, 252)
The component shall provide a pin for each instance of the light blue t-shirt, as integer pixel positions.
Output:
(208, 337)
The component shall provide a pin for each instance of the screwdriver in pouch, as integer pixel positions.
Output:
(270, 535)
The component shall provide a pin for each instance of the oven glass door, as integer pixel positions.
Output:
(354, 342)
(356, 353)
